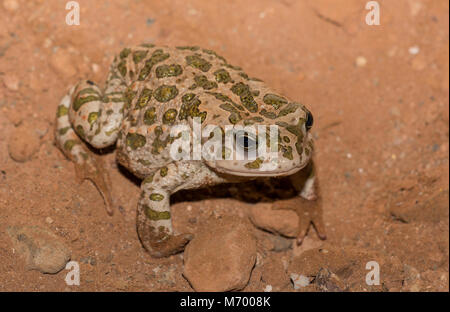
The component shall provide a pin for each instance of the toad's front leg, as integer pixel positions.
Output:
(154, 222)
(308, 203)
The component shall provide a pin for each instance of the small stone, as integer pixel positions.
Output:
(11, 82)
(11, 5)
(268, 288)
(299, 280)
(414, 50)
(95, 68)
(24, 142)
(42, 249)
(221, 256)
(49, 220)
(283, 222)
(62, 63)
(361, 61)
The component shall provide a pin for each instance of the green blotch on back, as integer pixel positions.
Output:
(135, 141)
(122, 67)
(165, 93)
(253, 120)
(202, 81)
(157, 57)
(171, 70)
(211, 52)
(144, 98)
(275, 100)
(234, 118)
(267, 114)
(225, 98)
(222, 76)
(246, 96)
(291, 108)
(170, 116)
(198, 62)
(124, 53)
(190, 107)
(138, 56)
(150, 116)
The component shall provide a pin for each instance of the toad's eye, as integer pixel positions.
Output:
(309, 121)
(246, 141)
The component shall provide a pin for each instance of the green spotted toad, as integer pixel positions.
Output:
(151, 89)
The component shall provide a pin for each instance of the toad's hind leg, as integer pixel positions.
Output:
(86, 113)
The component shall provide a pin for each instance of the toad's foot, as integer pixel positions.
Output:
(159, 242)
(92, 169)
(154, 226)
(308, 211)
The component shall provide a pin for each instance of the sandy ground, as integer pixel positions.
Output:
(379, 95)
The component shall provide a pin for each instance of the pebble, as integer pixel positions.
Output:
(42, 249)
(361, 61)
(299, 280)
(11, 82)
(283, 222)
(95, 68)
(25, 141)
(414, 50)
(221, 256)
(62, 63)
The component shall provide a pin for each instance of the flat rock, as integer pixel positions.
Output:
(43, 251)
(283, 222)
(221, 256)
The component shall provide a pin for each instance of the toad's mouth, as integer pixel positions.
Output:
(260, 172)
